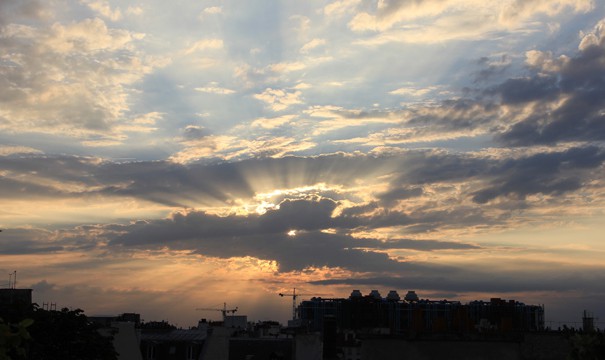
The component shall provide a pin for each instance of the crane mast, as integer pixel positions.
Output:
(224, 310)
(294, 295)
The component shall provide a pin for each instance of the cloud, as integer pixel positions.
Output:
(473, 282)
(278, 99)
(413, 91)
(76, 84)
(215, 90)
(271, 123)
(567, 94)
(213, 10)
(266, 237)
(514, 176)
(553, 173)
(204, 44)
(313, 44)
(102, 7)
(513, 12)
(28, 9)
(435, 21)
(10, 150)
(26, 241)
(388, 13)
(340, 8)
(287, 66)
(43, 287)
(353, 223)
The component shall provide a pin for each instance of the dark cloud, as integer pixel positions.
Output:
(198, 185)
(455, 115)
(15, 189)
(425, 167)
(469, 280)
(265, 237)
(423, 245)
(491, 69)
(194, 133)
(27, 241)
(29, 9)
(392, 196)
(552, 173)
(579, 86)
(523, 90)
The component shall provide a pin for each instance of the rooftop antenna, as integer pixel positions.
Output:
(12, 280)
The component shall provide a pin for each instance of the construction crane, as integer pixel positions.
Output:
(294, 295)
(224, 310)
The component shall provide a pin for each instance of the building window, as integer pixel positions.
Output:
(190, 352)
(150, 352)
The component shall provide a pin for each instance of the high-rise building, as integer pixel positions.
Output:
(390, 315)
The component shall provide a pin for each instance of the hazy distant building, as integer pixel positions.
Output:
(235, 321)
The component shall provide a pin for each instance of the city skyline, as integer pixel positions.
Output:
(161, 157)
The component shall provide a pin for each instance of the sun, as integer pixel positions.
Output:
(292, 233)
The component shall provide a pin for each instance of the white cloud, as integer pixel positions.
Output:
(213, 10)
(413, 91)
(102, 7)
(287, 66)
(6, 150)
(272, 123)
(312, 45)
(442, 20)
(229, 147)
(76, 82)
(514, 12)
(278, 99)
(302, 86)
(134, 10)
(148, 119)
(341, 7)
(596, 37)
(85, 36)
(205, 44)
(545, 61)
(215, 90)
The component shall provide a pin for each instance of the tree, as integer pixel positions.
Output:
(13, 338)
(590, 346)
(67, 335)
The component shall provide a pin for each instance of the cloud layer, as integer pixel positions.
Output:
(454, 147)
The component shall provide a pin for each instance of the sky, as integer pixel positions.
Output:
(158, 157)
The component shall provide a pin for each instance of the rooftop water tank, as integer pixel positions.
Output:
(375, 294)
(411, 296)
(393, 296)
(355, 294)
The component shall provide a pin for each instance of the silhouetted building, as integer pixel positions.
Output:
(14, 303)
(261, 348)
(172, 344)
(10, 297)
(506, 316)
(373, 314)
